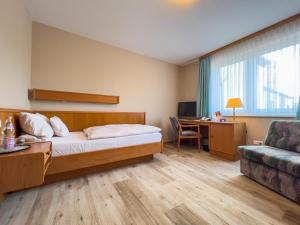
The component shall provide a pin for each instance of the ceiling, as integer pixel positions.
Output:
(175, 31)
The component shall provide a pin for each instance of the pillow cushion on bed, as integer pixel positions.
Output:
(119, 130)
(44, 117)
(35, 125)
(60, 129)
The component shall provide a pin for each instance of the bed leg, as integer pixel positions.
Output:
(2, 196)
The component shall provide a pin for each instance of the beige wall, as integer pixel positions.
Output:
(257, 127)
(188, 81)
(64, 61)
(68, 62)
(15, 54)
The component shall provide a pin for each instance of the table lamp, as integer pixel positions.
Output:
(234, 103)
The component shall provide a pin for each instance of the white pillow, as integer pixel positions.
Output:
(44, 117)
(60, 129)
(35, 125)
(119, 130)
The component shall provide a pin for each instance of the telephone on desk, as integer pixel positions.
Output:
(197, 119)
(205, 118)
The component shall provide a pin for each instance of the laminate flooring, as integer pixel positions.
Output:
(186, 187)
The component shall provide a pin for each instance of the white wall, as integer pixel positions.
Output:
(68, 62)
(15, 54)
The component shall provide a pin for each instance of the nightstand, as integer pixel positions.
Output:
(26, 168)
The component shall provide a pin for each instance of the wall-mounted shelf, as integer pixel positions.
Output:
(50, 95)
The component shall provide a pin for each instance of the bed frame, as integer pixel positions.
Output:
(74, 165)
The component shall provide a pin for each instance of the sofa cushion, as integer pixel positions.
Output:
(280, 159)
(284, 135)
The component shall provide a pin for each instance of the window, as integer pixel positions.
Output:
(264, 72)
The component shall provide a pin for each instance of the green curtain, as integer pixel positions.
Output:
(298, 111)
(203, 88)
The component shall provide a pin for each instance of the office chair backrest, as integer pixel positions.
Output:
(175, 124)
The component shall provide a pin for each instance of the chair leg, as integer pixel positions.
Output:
(178, 143)
(199, 144)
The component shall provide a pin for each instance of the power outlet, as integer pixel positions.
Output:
(256, 142)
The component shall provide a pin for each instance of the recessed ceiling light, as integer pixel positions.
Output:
(183, 2)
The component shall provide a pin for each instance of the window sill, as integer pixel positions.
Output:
(261, 116)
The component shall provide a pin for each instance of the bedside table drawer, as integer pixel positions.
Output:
(24, 169)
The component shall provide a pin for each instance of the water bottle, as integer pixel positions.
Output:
(1, 134)
(9, 134)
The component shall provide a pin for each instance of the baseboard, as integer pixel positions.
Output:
(231, 157)
(95, 169)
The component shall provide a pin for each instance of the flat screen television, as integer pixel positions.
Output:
(187, 109)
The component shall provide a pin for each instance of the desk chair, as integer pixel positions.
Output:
(183, 133)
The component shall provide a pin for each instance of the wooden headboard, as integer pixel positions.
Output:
(79, 120)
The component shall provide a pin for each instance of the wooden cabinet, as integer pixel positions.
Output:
(225, 137)
(24, 169)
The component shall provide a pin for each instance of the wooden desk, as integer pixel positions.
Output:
(24, 169)
(223, 137)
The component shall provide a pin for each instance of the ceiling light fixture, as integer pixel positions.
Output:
(183, 2)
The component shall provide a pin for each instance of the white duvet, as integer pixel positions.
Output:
(77, 142)
(119, 130)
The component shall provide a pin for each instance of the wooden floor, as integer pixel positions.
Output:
(175, 188)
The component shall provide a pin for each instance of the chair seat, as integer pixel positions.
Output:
(183, 133)
(188, 133)
(280, 159)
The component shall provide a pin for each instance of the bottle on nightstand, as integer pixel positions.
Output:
(1, 134)
(9, 134)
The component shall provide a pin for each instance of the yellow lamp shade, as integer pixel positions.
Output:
(234, 103)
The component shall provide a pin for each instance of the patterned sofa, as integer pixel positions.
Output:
(277, 163)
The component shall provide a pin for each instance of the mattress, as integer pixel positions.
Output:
(77, 142)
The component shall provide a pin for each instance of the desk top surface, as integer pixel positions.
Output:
(198, 121)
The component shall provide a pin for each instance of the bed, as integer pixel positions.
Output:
(77, 142)
(75, 156)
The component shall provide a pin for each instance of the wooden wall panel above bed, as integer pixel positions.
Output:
(79, 120)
